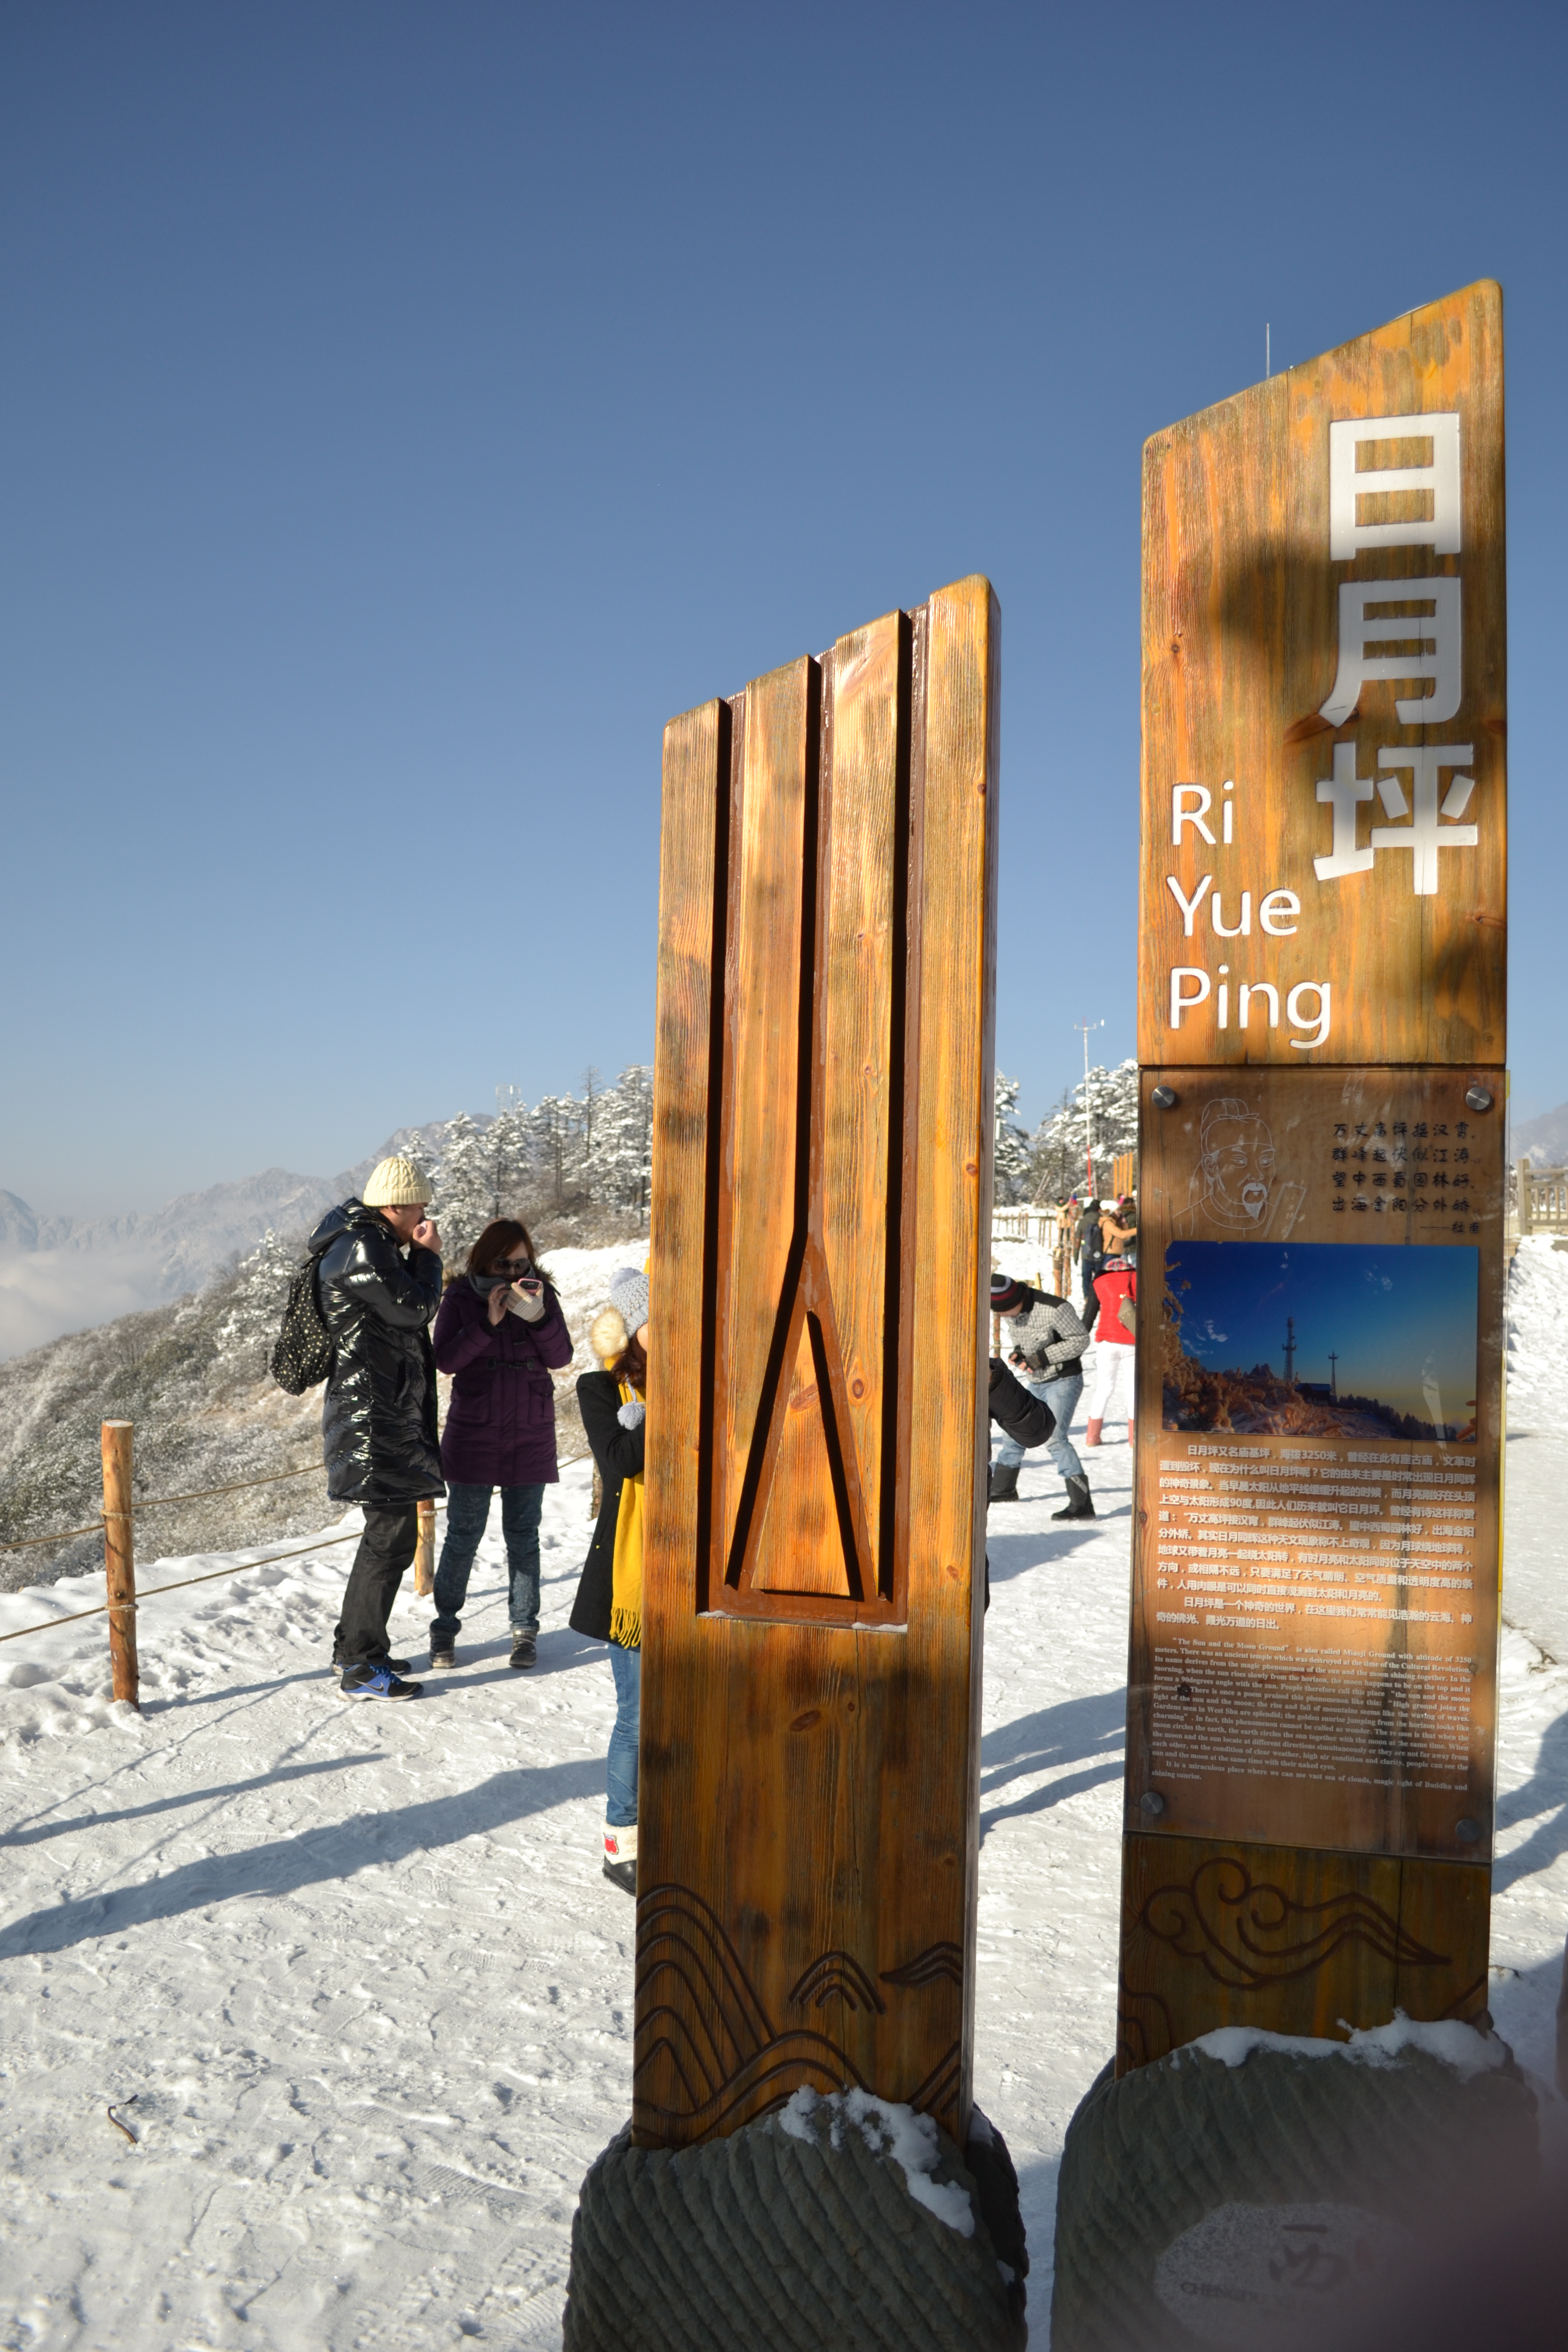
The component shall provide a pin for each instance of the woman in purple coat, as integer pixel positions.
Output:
(500, 1332)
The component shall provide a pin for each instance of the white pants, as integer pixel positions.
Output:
(1112, 1371)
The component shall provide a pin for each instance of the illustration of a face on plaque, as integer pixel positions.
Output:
(1236, 1194)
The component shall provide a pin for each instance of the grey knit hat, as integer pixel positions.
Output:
(628, 1296)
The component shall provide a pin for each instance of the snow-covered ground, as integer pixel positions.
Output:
(352, 1976)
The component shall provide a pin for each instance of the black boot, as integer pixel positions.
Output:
(1078, 1504)
(1003, 1483)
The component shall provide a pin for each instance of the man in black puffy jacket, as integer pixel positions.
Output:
(378, 1424)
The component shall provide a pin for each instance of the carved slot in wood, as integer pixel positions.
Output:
(809, 1095)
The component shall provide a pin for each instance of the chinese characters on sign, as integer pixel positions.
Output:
(1324, 847)
(1394, 1166)
(1418, 624)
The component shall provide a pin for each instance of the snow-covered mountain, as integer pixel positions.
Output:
(69, 1273)
(568, 1155)
(1543, 1140)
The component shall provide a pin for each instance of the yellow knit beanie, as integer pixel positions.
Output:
(396, 1184)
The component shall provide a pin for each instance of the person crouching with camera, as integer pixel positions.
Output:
(500, 1334)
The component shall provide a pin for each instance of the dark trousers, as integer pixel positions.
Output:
(385, 1550)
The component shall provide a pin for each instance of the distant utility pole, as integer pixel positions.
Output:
(1333, 1383)
(1289, 1351)
(1087, 1106)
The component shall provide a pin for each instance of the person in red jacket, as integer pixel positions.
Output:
(1114, 1353)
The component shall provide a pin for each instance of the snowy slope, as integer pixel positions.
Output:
(372, 1998)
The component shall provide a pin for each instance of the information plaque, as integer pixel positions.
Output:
(1312, 1679)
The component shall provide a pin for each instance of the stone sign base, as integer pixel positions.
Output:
(805, 2230)
(1274, 2198)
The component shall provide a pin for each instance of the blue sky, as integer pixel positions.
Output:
(408, 409)
(1396, 1317)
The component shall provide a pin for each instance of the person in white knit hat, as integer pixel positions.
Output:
(608, 1607)
(379, 1282)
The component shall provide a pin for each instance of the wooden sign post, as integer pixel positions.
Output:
(1311, 1706)
(816, 1498)
(816, 1487)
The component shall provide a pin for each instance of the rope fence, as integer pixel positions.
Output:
(116, 1446)
(159, 1502)
(25, 1543)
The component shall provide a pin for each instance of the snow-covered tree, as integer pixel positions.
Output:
(261, 1293)
(622, 1164)
(1101, 1109)
(553, 1139)
(465, 1186)
(506, 1142)
(1011, 1149)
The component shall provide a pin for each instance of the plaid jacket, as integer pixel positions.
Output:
(1051, 1335)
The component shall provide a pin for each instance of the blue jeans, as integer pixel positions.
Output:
(467, 1508)
(621, 1772)
(1062, 1397)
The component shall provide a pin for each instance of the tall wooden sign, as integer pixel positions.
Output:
(1316, 1555)
(816, 1439)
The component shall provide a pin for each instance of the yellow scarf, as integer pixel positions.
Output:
(626, 1587)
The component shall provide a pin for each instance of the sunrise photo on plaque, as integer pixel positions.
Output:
(1321, 1339)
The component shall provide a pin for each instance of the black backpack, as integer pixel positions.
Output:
(302, 1354)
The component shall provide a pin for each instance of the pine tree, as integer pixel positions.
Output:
(551, 1136)
(261, 1293)
(507, 1148)
(1104, 1105)
(589, 1105)
(622, 1170)
(465, 1187)
(1011, 1149)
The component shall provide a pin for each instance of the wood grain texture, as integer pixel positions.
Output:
(1241, 640)
(812, 1626)
(120, 1560)
(1290, 1941)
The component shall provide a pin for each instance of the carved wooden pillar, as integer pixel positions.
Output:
(816, 1432)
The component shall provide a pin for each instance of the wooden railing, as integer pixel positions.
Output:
(1017, 1224)
(1540, 1199)
(1050, 1231)
(1050, 1228)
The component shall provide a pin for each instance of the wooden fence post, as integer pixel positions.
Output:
(119, 1559)
(1525, 1205)
(425, 1551)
